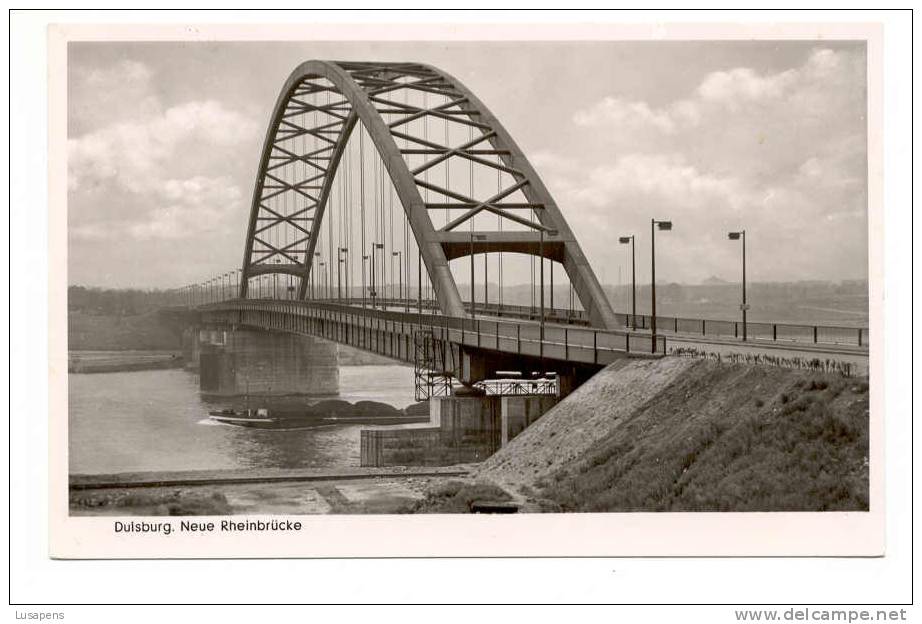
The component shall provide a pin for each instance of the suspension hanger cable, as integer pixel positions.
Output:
(499, 222)
(390, 218)
(426, 178)
(362, 204)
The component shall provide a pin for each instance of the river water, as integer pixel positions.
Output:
(156, 420)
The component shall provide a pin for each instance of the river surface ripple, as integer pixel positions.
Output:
(156, 420)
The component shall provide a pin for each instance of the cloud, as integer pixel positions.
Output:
(145, 170)
(826, 77)
(136, 154)
(737, 86)
(188, 208)
(745, 123)
(177, 209)
(620, 197)
(103, 95)
(618, 111)
(783, 154)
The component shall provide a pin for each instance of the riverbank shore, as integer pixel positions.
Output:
(122, 361)
(233, 492)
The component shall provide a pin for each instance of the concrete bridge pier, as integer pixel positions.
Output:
(518, 412)
(236, 362)
(191, 347)
(464, 429)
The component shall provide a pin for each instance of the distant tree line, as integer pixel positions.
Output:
(120, 302)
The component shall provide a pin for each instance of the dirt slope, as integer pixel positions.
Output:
(595, 410)
(692, 435)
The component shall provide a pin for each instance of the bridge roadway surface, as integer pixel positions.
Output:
(389, 328)
(391, 332)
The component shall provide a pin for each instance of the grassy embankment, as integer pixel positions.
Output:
(457, 497)
(690, 435)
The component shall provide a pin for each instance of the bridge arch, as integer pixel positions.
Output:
(359, 93)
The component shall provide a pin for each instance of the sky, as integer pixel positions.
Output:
(164, 142)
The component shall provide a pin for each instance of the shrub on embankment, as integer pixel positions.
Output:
(457, 497)
(712, 437)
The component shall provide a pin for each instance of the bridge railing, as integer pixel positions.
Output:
(376, 328)
(755, 330)
(670, 325)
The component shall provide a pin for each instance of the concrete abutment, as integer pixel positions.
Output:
(464, 430)
(235, 362)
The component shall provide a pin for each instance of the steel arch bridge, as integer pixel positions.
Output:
(316, 112)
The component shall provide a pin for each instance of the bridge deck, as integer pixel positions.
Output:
(703, 329)
(391, 332)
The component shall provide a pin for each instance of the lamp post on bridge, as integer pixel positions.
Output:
(324, 291)
(364, 262)
(473, 293)
(399, 255)
(625, 240)
(741, 235)
(665, 226)
(339, 265)
(541, 232)
(275, 282)
(374, 276)
(314, 276)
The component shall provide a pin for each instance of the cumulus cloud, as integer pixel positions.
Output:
(187, 208)
(781, 153)
(620, 197)
(618, 111)
(826, 77)
(135, 154)
(143, 169)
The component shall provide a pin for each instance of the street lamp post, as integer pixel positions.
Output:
(741, 235)
(541, 279)
(399, 255)
(542, 231)
(473, 294)
(625, 240)
(665, 226)
(275, 282)
(419, 283)
(374, 276)
(364, 261)
(486, 281)
(339, 256)
(324, 293)
(472, 272)
(315, 290)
